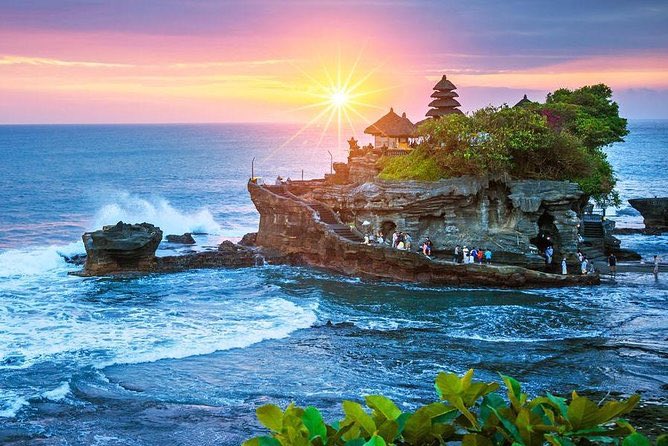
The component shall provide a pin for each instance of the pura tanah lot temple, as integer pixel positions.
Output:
(395, 135)
(343, 221)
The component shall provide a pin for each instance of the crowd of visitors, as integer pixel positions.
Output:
(462, 254)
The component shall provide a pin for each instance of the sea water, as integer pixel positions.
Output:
(186, 358)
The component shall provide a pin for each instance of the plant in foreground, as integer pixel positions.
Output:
(468, 411)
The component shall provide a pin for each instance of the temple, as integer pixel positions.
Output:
(444, 102)
(392, 132)
(523, 102)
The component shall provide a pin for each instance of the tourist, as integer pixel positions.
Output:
(580, 255)
(426, 247)
(488, 256)
(656, 267)
(564, 266)
(380, 238)
(279, 181)
(473, 255)
(549, 252)
(408, 241)
(481, 255)
(455, 258)
(395, 239)
(465, 254)
(584, 265)
(612, 263)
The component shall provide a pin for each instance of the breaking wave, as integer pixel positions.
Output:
(158, 211)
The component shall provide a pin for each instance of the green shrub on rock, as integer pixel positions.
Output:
(562, 139)
(468, 411)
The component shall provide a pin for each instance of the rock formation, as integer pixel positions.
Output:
(125, 248)
(507, 216)
(121, 247)
(185, 239)
(305, 231)
(654, 212)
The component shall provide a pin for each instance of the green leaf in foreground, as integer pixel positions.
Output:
(271, 417)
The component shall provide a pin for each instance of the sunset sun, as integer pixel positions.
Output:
(339, 98)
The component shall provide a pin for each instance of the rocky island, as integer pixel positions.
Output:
(512, 180)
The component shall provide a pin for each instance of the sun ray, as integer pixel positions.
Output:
(339, 99)
(299, 132)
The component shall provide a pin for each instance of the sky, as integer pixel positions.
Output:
(145, 61)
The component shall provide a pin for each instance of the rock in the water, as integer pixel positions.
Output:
(653, 210)
(249, 239)
(185, 239)
(121, 247)
(77, 259)
(298, 229)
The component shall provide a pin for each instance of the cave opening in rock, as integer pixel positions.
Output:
(387, 228)
(548, 234)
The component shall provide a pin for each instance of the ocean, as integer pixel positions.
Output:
(186, 358)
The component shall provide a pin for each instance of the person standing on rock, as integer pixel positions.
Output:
(481, 255)
(549, 252)
(395, 239)
(564, 266)
(488, 256)
(455, 258)
(465, 252)
(612, 264)
(408, 241)
(584, 265)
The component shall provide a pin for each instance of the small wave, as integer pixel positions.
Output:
(36, 261)
(59, 393)
(132, 209)
(11, 404)
(85, 335)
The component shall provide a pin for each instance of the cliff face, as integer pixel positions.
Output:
(293, 226)
(506, 216)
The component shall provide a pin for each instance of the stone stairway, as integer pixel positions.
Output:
(328, 217)
(593, 230)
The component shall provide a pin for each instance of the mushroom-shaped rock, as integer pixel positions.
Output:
(121, 247)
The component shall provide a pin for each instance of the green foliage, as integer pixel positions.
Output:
(470, 412)
(559, 140)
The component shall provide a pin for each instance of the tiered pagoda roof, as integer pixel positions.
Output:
(444, 102)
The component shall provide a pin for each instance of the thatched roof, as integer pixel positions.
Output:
(447, 102)
(436, 112)
(444, 84)
(444, 94)
(393, 126)
(524, 101)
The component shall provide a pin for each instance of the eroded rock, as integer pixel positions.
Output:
(185, 239)
(121, 247)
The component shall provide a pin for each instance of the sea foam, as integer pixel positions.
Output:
(158, 211)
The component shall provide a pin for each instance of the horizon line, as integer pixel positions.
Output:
(26, 124)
